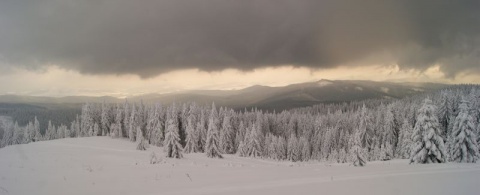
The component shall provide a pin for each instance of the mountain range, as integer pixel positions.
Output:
(262, 97)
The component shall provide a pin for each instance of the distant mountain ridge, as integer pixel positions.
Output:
(262, 97)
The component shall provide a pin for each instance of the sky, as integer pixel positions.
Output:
(124, 47)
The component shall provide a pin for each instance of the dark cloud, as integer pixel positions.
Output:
(150, 37)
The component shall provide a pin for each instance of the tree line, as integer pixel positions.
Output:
(427, 128)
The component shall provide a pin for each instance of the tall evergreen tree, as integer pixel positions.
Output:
(270, 146)
(191, 144)
(87, 120)
(29, 133)
(305, 148)
(202, 138)
(133, 125)
(478, 134)
(226, 135)
(254, 144)
(141, 141)
(428, 146)
(364, 128)
(172, 146)
(7, 138)
(464, 146)
(36, 126)
(443, 114)
(389, 134)
(105, 120)
(357, 152)
(17, 134)
(240, 135)
(212, 147)
(156, 126)
(281, 148)
(96, 130)
(118, 123)
(405, 140)
(126, 119)
(51, 132)
(293, 151)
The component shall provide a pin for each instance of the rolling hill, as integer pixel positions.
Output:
(262, 97)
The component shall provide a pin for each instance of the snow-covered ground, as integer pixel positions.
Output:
(101, 165)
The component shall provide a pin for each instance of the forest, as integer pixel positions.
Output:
(435, 127)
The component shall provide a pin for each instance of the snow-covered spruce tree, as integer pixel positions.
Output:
(67, 132)
(328, 142)
(17, 134)
(172, 146)
(453, 112)
(254, 144)
(29, 133)
(385, 152)
(293, 151)
(126, 119)
(87, 120)
(132, 124)
(75, 127)
(156, 126)
(191, 140)
(141, 141)
(36, 126)
(343, 156)
(201, 139)
(389, 134)
(305, 148)
(240, 135)
(226, 135)
(364, 128)
(61, 130)
(105, 120)
(478, 134)
(7, 138)
(474, 103)
(428, 146)
(51, 132)
(281, 148)
(140, 119)
(113, 130)
(96, 130)
(405, 139)
(119, 123)
(443, 113)
(212, 146)
(357, 152)
(242, 149)
(270, 142)
(202, 131)
(333, 157)
(183, 120)
(464, 146)
(58, 132)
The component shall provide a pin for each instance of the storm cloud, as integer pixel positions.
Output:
(151, 37)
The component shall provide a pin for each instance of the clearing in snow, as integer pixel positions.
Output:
(101, 165)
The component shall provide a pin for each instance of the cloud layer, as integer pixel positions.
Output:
(151, 37)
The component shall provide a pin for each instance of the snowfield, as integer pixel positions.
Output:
(101, 165)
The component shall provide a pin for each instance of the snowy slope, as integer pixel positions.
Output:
(101, 165)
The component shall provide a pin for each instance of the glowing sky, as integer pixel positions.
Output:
(60, 82)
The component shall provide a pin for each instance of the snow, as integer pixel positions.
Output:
(102, 165)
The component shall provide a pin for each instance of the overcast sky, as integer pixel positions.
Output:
(122, 47)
